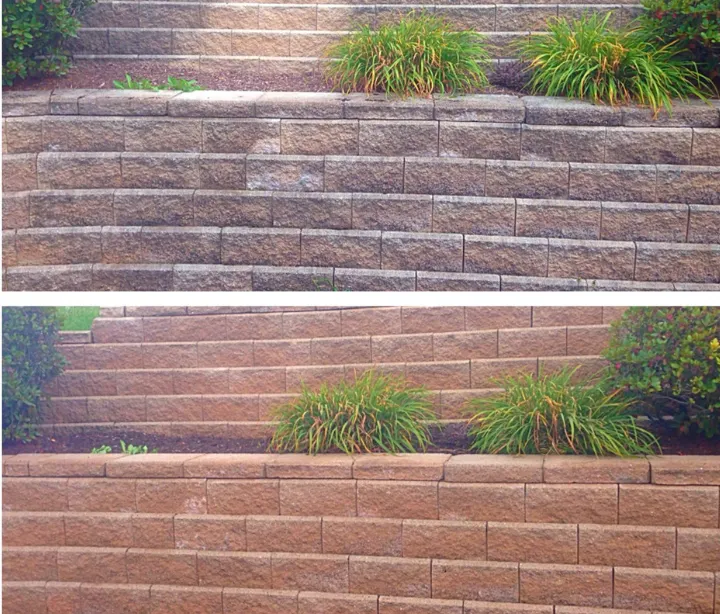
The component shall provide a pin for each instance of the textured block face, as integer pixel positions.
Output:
(161, 567)
(258, 601)
(128, 598)
(467, 140)
(365, 174)
(532, 342)
(347, 249)
(683, 591)
(591, 259)
(243, 497)
(625, 546)
(160, 171)
(676, 262)
(474, 215)
(572, 503)
(76, 171)
(414, 605)
(210, 533)
(382, 576)
(83, 134)
(527, 179)
(318, 498)
(558, 218)
(284, 535)
(171, 496)
(648, 145)
(170, 600)
(644, 222)
(183, 135)
(289, 173)
(476, 580)
(566, 585)
(563, 143)
(454, 176)
(532, 543)
(272, 247)
(401, 138)
(241, 136)
(444, 540)
(506, 255)
(482, 502)
(614, 182)
(669, 506)
(392, 212)
(309, 572)
(235, 569)
(386, 499)
(422, 251)
(362, 536)
(106, 565)
(101, 495)
(320, 137)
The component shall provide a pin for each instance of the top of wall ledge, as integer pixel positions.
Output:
(467, 468)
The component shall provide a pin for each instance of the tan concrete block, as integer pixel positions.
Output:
(99, 530)
(362, 536)
(200, 381)
(499, 502)
(106, 565)
(312, 324)
(700, 470)
(530, 342)
(591, 470)
(153, 531)
(494, 468)
(185, 599)
(532, 543)
(287, 17)
(326, 466)
(116, 409)
(29, 564)
(572, 503)
(24, 597)
(172, 496)
(227, 465)
(698, 549)
(173, 329)
(70, 465)
(135, 383)
(390, 575)
(257, 381)
(150, 466)
(276, 534)
(200, 532)
(387, 499)
(566, 316)
(492, 372)
(680, 506)
(163, 134)
(327, 573)
(477, 607)
(319, 137)
(172, 409)
(243, 497)
(93, 495)
(318, 498)
(258, 601)
(432, 319)
(401, 348)
(20, 172)
(255, 326)
(161, 567)
(323, 603)
(480, 580)
(465, 345)
(681, 591)
(439, 375)
(238, 569)
(371, 321)
(428, 467)
(627, 546)
(444, 540)
(484, 318)
(63, 597)
(582, 340)
(566, 585)
(414, 605)
(170, 356)
(282, 352)
(33, 529)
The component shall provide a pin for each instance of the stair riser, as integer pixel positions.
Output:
(522, 343)
(191, 15)
(279, 380)
(560, 258)
(396, 175)
(668, 223)
(625, 545)
(343, 323)
(444, 139)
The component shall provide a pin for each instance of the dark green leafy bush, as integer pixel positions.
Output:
(694, 24)
(30, 361)
(35, 33)
(668, 361)
(374, 413)
(556, 414)
(586, 58)
(419, 55)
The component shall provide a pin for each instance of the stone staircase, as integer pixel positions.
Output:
(122, 190)
(408, 534)
(222, 374)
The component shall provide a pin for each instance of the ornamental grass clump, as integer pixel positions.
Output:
(419, 55)
(586, 58)
(374, 413)
(557, 414)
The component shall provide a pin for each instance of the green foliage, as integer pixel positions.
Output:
(668, 361)
(694, 24)
(586, 58)
(125, 448)
(418, 55)
(30, 361)
(77, 318)
(554, 414)
(35, 28)
(142, 83)
(104, 449)
(373, 413)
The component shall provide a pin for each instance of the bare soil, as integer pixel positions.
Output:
(453, 439)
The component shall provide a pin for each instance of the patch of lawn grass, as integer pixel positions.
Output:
(77, 318)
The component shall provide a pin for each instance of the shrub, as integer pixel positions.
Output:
(373, 413)
(418, 55)
(586, 58)
(553, 414)
(35, 33)
(694, 24)
(668, 361)
(30, 360)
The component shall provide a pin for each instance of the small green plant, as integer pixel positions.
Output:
(77, 318)
(30, 362)
(373, 413)
(586, 58)
(105, 449)
(693, 24)
(555, 414)
(142, 83)
(35, 34)
(128, 448)
(419, 55)
(667, 359)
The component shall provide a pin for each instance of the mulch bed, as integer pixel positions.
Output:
(100, 75)
(453, 439)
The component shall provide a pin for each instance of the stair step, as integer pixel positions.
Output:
(188, 277)
(271, 17)
(662, 222)
(541, 584)
(331, 350)
(387, 174)
(368, 250)
(621, 545)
